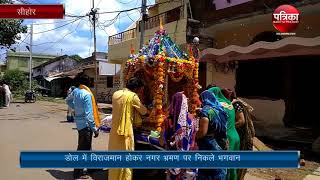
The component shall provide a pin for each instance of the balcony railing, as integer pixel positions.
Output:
(167, 17)
(123, 36)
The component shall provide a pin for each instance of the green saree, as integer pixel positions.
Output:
(232, 134)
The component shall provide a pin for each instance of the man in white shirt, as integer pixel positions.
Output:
(8, 94)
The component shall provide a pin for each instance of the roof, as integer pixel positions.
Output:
(291, 46)
(27, 54)
(53, 60)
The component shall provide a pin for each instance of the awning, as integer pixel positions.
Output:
(291, 46)
(52, 78)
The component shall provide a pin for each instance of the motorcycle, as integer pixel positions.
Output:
(30, 97)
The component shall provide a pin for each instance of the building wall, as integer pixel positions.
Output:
(21, 61)
(3, 68)
(262, 108)
(118, 53)
(168, 6)
(241, 32)
(58, 66)
(104, 93)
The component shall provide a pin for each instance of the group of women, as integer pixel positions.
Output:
(224, 123)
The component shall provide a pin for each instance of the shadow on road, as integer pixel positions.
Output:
(66, 122)
(58, 174)
(68, 175)
(100, 175)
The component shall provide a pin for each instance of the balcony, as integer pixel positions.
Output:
(167, 17)
(120, 44)
(122, 37)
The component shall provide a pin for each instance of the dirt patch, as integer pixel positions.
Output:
(287, 174)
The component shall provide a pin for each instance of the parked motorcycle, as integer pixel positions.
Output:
(30, 97)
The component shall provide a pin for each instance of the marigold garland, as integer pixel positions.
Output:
(160, 65)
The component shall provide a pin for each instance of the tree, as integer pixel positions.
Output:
(18, 81)
(10, 29)
(76, 57)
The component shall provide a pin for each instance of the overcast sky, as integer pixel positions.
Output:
(75, 38)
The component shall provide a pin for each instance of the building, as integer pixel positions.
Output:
(57, 86)
(20, 60)
(108, 80)
(248, 42)
(240, 50)
(3, 68)
(174, 19)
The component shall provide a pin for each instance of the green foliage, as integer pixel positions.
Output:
(18, 81)
(76, 57)
(10, 29)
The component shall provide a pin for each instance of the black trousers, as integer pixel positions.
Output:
(84, 143)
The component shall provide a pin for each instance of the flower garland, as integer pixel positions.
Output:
(156, 64)
(195, 95)
(159, 92)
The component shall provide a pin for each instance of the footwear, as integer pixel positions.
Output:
(83, 177)
(91, 171)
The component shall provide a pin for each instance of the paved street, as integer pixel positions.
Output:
(42, 126)
(38, 126)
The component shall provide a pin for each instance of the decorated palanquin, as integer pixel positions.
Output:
(165, 70)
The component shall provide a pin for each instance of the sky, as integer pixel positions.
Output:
(76, 37)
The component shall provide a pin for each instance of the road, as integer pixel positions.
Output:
(39, 126)
(42, 126)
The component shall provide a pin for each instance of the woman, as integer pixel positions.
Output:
(212, 134)
(244, 125)
(179, 131)
(232, 134)
(70, 113)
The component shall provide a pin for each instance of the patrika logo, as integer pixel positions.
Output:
(285, 18)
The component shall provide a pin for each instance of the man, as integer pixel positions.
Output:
(2, 95)
(8, 94)
(126, 111)
(82, 101)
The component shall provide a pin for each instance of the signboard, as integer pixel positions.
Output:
(32, 11)
(222, 4)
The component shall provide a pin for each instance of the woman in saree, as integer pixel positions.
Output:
(212, 134)
(244, 125)
(178, 133)
(232, 134)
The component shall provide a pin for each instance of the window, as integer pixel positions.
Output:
(110, 82)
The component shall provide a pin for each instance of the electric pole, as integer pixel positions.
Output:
(142, 24)
(93, 13)
(30, 61)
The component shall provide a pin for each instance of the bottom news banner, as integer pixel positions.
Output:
(160, 159)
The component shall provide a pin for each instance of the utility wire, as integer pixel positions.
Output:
(58, 26)
(62, 37)
(99, 3)
(56, 22)
(129, 2)
(131, 9)
(125, 10)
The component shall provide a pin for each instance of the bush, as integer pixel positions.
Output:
(18, 81)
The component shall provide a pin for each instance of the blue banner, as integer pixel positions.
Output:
(160, 159)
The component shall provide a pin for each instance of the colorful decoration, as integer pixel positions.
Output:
(161, 58)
